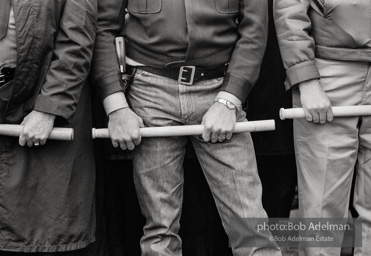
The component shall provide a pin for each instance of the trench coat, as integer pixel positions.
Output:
(47, 192)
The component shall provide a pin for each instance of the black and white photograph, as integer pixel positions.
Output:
(185, 127)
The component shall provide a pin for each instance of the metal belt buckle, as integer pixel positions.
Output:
(186, 75)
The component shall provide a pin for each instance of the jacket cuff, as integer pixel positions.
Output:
(109, 84)
(301, 72)
(114, 102)
(54, 107)
(237, 86)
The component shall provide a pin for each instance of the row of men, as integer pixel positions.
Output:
(192, 62)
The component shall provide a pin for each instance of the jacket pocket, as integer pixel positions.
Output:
(144, 6)
(227, 6)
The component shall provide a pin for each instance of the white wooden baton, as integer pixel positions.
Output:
(56, 134)
(190, 130)
(362, 110)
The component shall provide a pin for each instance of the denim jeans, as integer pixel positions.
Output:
(229, 167)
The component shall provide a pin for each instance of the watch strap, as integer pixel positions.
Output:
(230, 105)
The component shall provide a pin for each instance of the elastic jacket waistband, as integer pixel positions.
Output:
(345, 54)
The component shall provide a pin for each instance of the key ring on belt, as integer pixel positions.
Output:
(2, 76)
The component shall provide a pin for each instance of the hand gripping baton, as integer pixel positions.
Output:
(190, 130)
(343, 111)
(56, 134)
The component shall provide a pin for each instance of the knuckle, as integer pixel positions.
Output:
(224, 129)
(205, 137)
(215, 129)
(115, 138)
(311, 108)
(26, 135)
(42, 137)
(207, 127)
(126, 138)
(137, 142)
(135, 135)
(121, 140)
(229, 129)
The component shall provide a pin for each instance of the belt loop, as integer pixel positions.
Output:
(126, 78)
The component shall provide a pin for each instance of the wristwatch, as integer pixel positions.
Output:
(228, 104)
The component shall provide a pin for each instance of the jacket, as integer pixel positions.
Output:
(168, 34)
(330, 29)
(47, 192)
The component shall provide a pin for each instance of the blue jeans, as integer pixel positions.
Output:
(229, 167)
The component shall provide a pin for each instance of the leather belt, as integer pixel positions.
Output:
(187, 75)
(6, 75)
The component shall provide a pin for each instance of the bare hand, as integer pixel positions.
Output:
(37, 127)
(316, 104)
(219, 122)
(123, 127)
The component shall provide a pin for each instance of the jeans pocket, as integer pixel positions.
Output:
(144, 6)
(227, 6)
(145, 79)
(139, 73)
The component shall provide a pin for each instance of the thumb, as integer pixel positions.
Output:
(140, 122)
(22, 140)
(308, 115)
